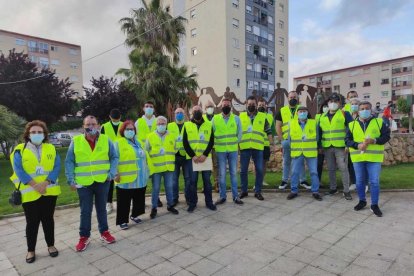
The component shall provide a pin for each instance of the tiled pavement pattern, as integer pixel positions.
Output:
(271, 237)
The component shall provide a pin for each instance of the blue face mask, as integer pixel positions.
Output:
(37, 138)
(91, 130)
(129, 133)
(303, 115)
(364, 114)
(354, 108)
(179, 116)
(161, 128)
(149, 111)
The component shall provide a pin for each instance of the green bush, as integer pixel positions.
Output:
(404, 122)
(63, 126)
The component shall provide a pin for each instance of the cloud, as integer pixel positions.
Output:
(328, 5)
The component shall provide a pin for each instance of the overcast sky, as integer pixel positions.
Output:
(324, 34)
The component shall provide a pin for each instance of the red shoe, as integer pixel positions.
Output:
(107, 237)
(82, 244)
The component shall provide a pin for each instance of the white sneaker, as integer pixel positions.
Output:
(352, 187)
(305, 185)
(109, 208)
(283, 185)
(265, 184)
(366, 188)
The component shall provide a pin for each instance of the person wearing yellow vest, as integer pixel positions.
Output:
(110, 129)
(365, 138)
(352, 178)
(256, 129)
(332, 130)
(132, 176)
(282, 119)
(36, 168)
(303, 148)
(181, 162)
(90, 165)
(208, 116)
(161, 146)
(227, 134)
(349, 96)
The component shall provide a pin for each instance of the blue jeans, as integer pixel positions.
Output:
(222, 159)
(186, 165)
(86, 194)
(257, 156)
(192, 191)
(368, 172)
(287, 162)
(298, 168)
(156, 183)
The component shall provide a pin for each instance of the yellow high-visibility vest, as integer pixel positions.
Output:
(91, 166)
(198, 138)
(225, 135)
(286, 117)
(303, 142)
(333, 131)
(162, 153)
(109, 131)
(175, 130)
(270, 120)
(252, 136)
(31, 166)
(143, 130)
(347, 107)
(127, 165)
(374, 152)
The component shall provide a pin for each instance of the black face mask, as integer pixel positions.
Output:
(226, 110)
(293, 102)
(261, 109)
(197, 115)
(251, 108)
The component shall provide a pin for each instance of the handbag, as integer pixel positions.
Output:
(16, 197)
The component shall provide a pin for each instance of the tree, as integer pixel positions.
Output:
(11, 127)
(106, 94)
(43, 98)
(405, 108)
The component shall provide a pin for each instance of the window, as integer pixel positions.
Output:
(248, 9)
(281, 74)
(236, 63)
(385, 67)
(33, 46)
(336, 76)
(281, 41)
(248, 28)
(337, 88)
(366, 70)
(193, 14)
(354, 72)
(271, 71)
(249, 66)
(237, 82)
(367, 83)
(384, 93)
(194, 51)
(367, 96)
(235, 43)
(34, 59)
(43, 62)
(263, 52)
(194, 69)
(20, 41)
(256, 30)
(193, 32)
(352, 85)
(263, 33)
(312, 80)
(235, 23)
(54, 62)
(73, 65)
(281, 58)
(73, 78)
(269, 19)
(235, 3)
(385, 81)
(255, 85)
(53, 48)
(270, 54)
(281, 7)
(250, 84)
(281, 24)
(73, 52)
(270, 37)
(43, 48)
(248, 47)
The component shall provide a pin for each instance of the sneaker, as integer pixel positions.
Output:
(243, 195)
(136, 219)
(283, 185)
(361, 204)
(258, 196)
(211, 206)
(291, 196)
(159, 203)
(305, 184)
(366, 188)
(109, 208)
(238, 201)
(317, 196)
(265, 184)
(153, 213)
(220, 201)
(352, 187)
(107, 237)
(376, 210)
(331, 192)
(348, 196)
(191, 209)
(173, 210)
(124, 226)
(82, 244)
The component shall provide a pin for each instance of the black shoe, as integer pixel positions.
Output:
(159, 203)
(175, 202)
(220, 201)
(191, 209)
(238, 201)
(348, 196)
(31, 260)
(376, 210)
(243, 195)
(291, 196)
(173, 210)
(317, 196)
(361, 204)
(283, 185)
(153, 213)
(258, 196)
(211, 206)
(305, 185)
(331, 192)
(54, 253)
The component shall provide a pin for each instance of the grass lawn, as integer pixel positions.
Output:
(392, 177)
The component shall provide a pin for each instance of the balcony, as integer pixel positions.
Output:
(264, 76)
(260, 3)
(260, 39)
(261, 58)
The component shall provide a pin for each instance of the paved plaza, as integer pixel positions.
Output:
(271, 237)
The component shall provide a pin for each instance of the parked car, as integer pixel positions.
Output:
(64, 138)
(53, 139)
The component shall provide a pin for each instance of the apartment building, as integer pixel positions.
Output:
(64, 58)
(376, 82)
(240, 44)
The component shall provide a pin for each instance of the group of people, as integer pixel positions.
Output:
(125, 155)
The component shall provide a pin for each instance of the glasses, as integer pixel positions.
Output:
(36, 132)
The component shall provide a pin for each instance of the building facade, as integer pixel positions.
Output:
(64, 58)
(240, 44)
(375, 82)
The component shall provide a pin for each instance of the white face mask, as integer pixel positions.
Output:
(210, 110)
(333, 106)
(325, 109)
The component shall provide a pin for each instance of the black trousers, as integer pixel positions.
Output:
(111, 192)
(123, 203)
(321, 158)
(37, 211)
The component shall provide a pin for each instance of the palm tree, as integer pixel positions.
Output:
(11, 127)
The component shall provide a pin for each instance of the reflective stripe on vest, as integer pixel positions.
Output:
(162, 152)
(270, 121)
(334, 131)
(286, 117)
(143, 130)
(252, 135)
(225, 134)
(127, 165)
(31, 166)
(91, 166)
(109, 131)
(198, 138)
(303, 142)
(175, 130)
(374, 152)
